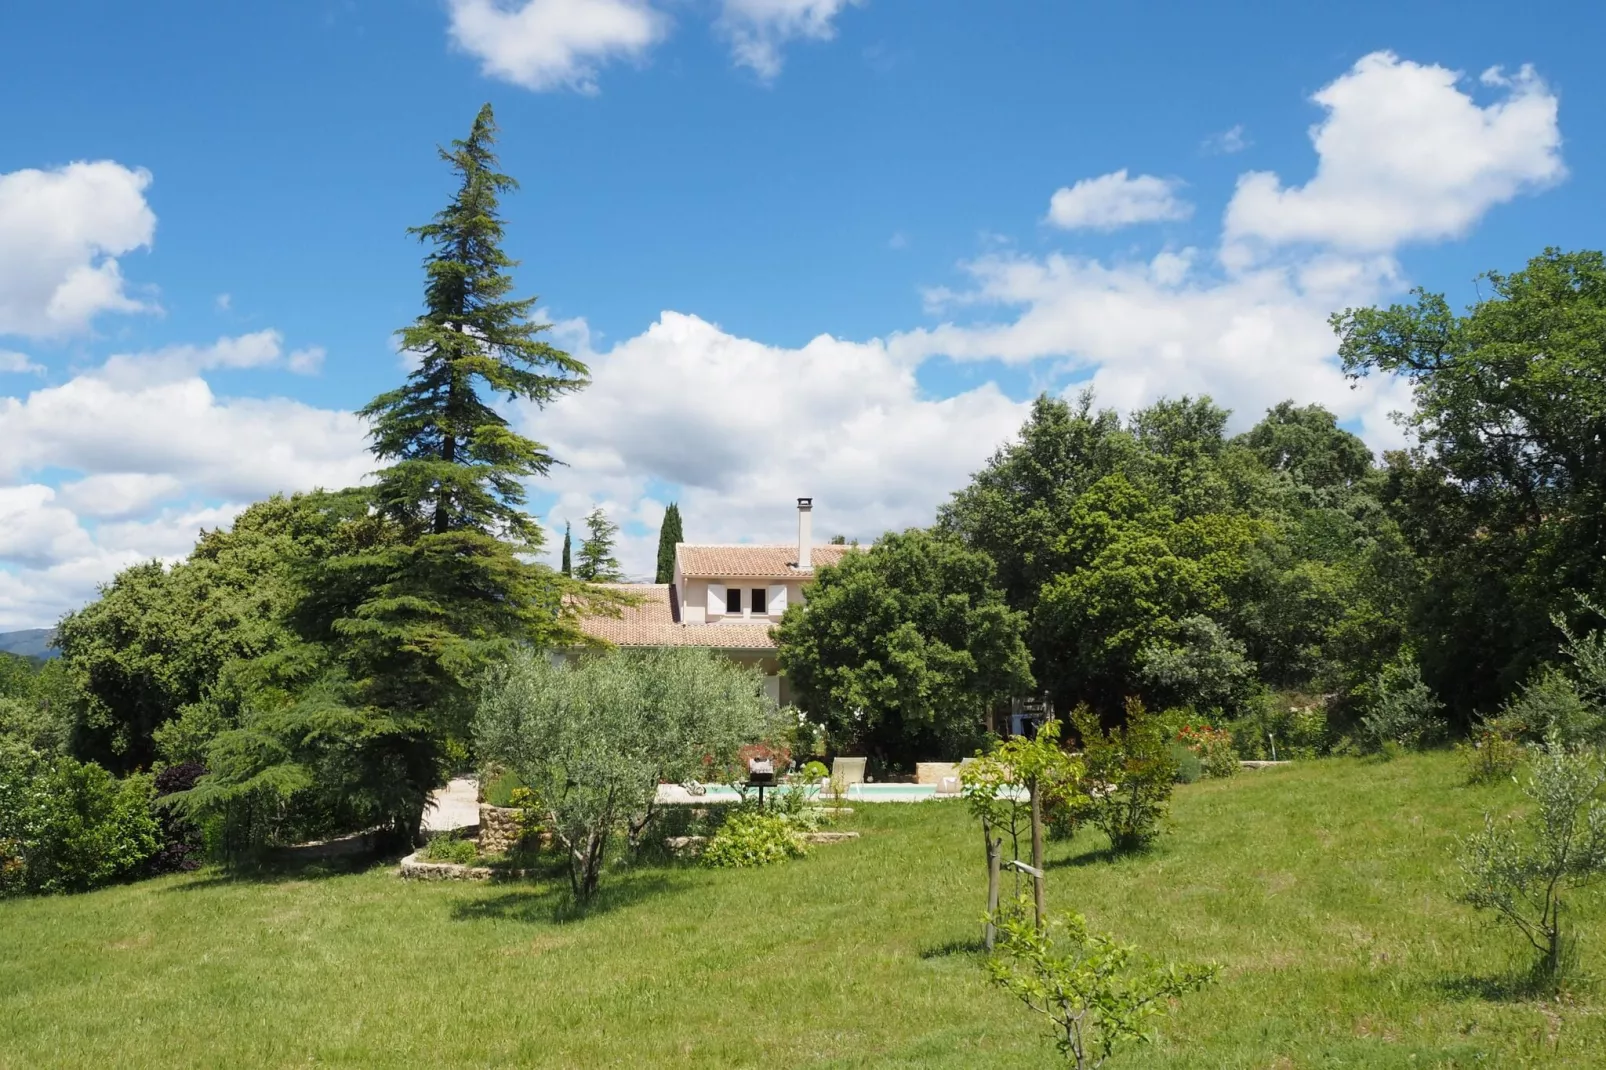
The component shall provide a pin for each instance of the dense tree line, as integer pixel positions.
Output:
(1160, 556)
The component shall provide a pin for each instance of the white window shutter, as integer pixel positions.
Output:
(716, 599)
(776, 603)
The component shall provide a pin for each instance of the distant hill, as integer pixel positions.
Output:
(30, 643)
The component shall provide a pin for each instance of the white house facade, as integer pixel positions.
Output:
(724, 597)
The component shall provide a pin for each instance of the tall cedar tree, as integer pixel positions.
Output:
(445, 590)
(668, 535)
(568, 567)
(597, 563)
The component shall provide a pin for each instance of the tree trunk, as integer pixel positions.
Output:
(1037, 854)
(995, 861)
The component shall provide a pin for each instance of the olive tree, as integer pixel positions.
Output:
(1520, 870)
(592, 737)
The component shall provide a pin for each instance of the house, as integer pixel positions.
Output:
(723, 597)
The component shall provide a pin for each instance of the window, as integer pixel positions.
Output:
(733, 600)
(758, 599)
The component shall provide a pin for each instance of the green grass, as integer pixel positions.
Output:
(1321, 888)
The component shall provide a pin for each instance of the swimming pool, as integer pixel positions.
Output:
(722, 793)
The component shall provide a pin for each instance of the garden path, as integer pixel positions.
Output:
(455, 806)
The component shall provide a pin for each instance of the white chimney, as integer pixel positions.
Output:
(805, 533)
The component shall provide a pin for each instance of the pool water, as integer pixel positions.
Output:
(856, 793)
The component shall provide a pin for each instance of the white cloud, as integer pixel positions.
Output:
(1229, 141)
(61, 232)
(553, 44)
(1116, 200)
(1403, 154)
(260, 349)
(158, 456)
(1144, 330)
(757, 29)
(744, 428)
(18, 363)
(118, 494)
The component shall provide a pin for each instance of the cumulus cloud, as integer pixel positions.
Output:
(153, 456)
(1116, 200)
(1404, 153)
(260, 349)
(553, 44)
(743, 428)
(758, 29)
(18, 363)
(61, 232)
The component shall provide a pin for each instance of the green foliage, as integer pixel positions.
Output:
(449, 847)
(1211, 747)
(500, 788)
(814, 771)
(1095, 992)
(1158, 555)
(997, 785)
(1489, 755)
(1130, 774)
(669, 534)
(38, 703)
(567, 568)
(1282, 726)
(1503, 496)
(1520, 871)
(594, 737)
(753, 837)
(1402, 710)
(162, 641)
(1201, 665)
(1189, 768)
(454, 463)
(68, 826)
(902, 648)
(597, 563)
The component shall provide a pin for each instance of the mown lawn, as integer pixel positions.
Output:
(1321, 888)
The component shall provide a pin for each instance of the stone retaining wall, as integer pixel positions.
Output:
(500, 829)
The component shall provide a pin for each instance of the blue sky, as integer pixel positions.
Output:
(710, 186)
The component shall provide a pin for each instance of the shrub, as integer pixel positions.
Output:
(1189, 768)
(501, 787)
(449, 847)
(1549, 703)
(1402, 709)
(753, 837)
(1281, 726)
(1130, 774)
(1520, 871)
(179, 839)
(69, 826)
(1212, 748)
(1096, 993)
(1489, 755)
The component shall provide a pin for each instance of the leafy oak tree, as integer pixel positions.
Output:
(1504, 496)
(903, 647)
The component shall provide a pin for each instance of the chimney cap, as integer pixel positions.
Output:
(805, 503)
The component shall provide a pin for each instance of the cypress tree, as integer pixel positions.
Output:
(668, 535)
(567, 569)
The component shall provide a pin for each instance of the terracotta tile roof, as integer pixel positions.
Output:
(748, 561)
(652, 623)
